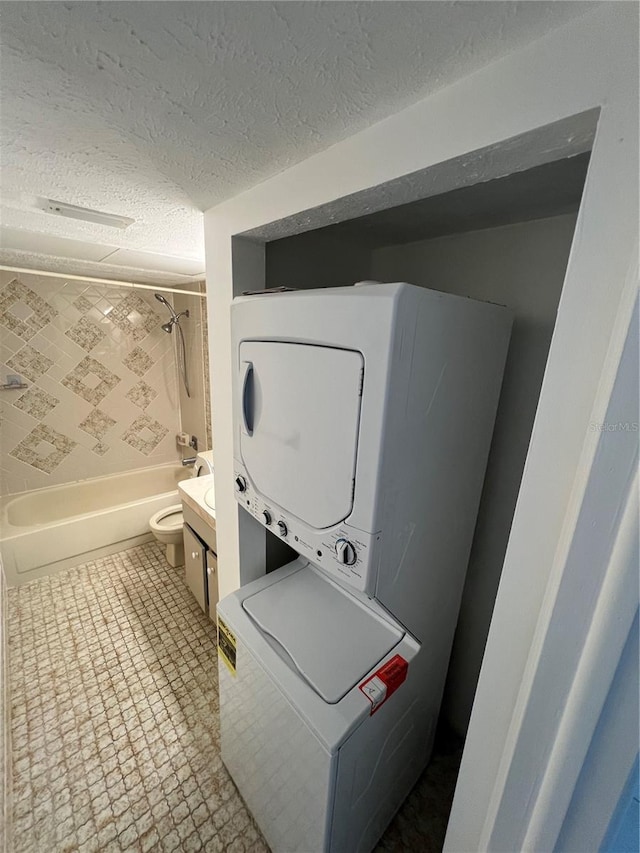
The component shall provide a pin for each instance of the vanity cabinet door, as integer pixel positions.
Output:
(195, 566)
(212, 583)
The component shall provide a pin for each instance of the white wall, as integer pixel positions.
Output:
(586, 65)
(316, 259)
(521, 266)
(589, 610)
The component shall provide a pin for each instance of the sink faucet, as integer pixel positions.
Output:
(190, 460)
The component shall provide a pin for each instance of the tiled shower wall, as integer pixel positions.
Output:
(102, 392)
(196, 409)
(204, 337)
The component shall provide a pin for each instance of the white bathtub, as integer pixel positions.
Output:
(50, 529)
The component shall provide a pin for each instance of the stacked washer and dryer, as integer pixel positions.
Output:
(363, 418)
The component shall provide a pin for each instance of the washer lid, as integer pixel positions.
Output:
(331, 639)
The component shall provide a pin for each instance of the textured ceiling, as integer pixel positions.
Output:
(159, 110)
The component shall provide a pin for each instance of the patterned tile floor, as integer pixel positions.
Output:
(115, 721)
(115, 714)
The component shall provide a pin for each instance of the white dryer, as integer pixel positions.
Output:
(363, 419)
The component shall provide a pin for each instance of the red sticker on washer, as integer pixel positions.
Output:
(384, 681)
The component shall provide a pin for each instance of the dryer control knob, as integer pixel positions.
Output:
(282, 528)
(241, 484)
(266, 517)
(346, 552)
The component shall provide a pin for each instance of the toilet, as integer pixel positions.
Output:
(166, 524)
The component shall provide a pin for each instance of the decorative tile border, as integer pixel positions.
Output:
(142, 395)
(75, 380)
(138, 361)
(36, 313)
(97, 424)
(36, 402)
(44, 448)
(145, 434)
(29, 363)
(86, 334)
(135, 317)
(82, 304)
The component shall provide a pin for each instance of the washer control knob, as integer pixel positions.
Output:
(241, 484)
(282, 528)
(346, 552)
(266, 517)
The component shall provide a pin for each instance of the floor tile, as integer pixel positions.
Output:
(115, 722)
(95, 711)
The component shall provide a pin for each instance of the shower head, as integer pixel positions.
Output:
(174, 321)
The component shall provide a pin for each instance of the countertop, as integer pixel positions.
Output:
(192, 493)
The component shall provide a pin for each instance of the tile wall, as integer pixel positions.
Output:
(196, 409)
(206, 371)
(101, 378)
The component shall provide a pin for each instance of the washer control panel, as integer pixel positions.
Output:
(342, 550)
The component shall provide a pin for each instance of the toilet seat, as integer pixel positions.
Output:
(167, 520)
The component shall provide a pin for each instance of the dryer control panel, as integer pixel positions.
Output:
(343, 551)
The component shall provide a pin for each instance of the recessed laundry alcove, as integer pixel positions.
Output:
(495, 226)
(540, 107)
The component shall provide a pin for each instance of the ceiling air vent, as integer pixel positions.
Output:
(72, 211)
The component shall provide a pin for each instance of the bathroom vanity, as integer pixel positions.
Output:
(200, 550)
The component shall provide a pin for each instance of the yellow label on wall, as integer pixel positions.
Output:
(227, 646)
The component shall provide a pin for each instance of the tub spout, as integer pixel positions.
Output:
(190, 460)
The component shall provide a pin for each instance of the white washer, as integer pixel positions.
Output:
(298, 735)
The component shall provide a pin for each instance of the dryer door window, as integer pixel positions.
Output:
(299, 417)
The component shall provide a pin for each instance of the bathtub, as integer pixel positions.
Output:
(50, 529)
